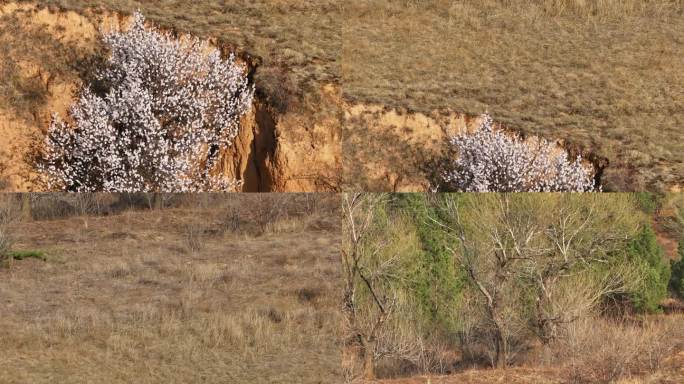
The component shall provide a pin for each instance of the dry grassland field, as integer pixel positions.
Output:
(206, 289)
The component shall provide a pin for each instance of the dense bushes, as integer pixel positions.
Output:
(677, 277)
(648, 259)
(490, 160)
(436, 282)
(155, 118)
(496, 276)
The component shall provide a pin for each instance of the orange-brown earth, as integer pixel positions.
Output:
(390, 149)
(293, 150)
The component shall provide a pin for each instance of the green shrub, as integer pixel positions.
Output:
(677, 277)
(437, 283)
(648, 258)
(21, 255)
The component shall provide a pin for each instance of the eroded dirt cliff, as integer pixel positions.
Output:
(49, 54)
(390, 149)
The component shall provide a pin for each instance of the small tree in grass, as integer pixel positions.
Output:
(648, 257)
(376, 252)
(154, 119)
(492, 161)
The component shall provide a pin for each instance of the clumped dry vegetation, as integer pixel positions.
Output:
(521, 287)
(214, 289)
(602, 75)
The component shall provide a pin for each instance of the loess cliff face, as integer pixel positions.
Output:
(319, 143)
(297, 150)
(388, 149)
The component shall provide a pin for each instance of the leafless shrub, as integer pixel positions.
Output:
(596, 350)
(277, 213)
(51, 206)
(231, 219)
(404, 349)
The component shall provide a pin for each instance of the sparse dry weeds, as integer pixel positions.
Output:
(123, 300)
(603, 351)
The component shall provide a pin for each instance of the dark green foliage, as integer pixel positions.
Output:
(648, 257)
(677, 277)
(436, 282)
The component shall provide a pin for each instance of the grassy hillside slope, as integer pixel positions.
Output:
(605, 75)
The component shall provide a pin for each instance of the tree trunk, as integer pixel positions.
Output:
(368, 360)
(546, 323)
(501, 355)
(500, 347)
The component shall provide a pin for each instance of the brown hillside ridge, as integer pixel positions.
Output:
(297, 149)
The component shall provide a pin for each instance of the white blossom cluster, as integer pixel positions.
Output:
(492, 161)
(168, 108)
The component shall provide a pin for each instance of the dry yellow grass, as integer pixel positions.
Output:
(605, 75)
(605, 352)
(124, 300)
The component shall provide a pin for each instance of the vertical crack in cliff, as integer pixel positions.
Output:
(262, 150)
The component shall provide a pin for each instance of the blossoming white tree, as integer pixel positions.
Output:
(168, 106)
(490, 160)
